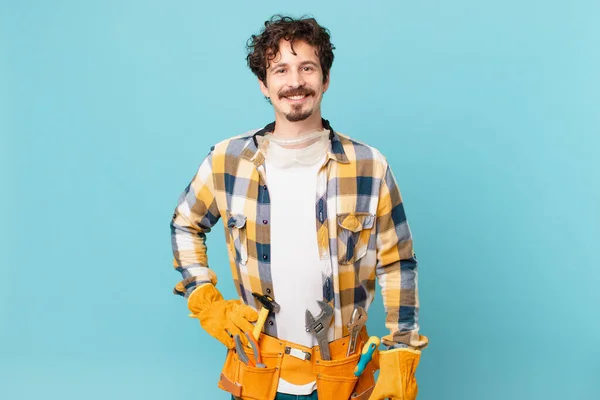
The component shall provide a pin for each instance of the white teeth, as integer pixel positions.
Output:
(296, 97)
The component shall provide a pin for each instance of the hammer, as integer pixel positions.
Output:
(268, 305)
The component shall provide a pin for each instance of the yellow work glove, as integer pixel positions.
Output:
(221, 318)
(397, 375)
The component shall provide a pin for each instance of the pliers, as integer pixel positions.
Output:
(256, 361)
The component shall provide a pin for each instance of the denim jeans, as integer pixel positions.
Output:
(284, 396)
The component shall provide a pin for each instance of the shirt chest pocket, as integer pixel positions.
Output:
(353, 233)
(236, 224)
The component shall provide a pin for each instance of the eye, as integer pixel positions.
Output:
(308, 68)
(280, 71)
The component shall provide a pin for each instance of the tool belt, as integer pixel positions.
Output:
(299, 365)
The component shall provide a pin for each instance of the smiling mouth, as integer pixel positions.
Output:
(297, 97)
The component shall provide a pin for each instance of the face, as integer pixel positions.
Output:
(294, 82)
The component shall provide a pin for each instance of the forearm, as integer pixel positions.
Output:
(399, 291)
(397, 269)
(194, 216)
(190, 259)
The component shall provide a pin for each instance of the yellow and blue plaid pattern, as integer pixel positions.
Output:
(360, 223)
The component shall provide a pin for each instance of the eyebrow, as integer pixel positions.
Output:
(303, 63)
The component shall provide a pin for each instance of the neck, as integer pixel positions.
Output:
(287, 129)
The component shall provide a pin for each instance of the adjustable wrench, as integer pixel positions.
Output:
(320, 326)
(358, 320)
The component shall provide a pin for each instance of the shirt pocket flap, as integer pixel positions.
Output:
(355, 222)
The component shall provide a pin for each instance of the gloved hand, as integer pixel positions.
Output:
(221, 318)
(397, 375)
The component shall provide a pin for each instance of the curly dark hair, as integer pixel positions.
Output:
(263, 48)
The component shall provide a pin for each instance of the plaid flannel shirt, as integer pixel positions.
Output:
(361, 228)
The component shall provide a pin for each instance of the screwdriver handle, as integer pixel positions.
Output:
(366, 354)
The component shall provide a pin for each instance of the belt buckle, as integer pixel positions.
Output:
(302, 355)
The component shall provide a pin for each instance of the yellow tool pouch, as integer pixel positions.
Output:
(299, 365)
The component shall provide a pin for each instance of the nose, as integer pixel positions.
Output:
(295, 79)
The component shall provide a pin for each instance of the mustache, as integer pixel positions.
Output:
(296, 92)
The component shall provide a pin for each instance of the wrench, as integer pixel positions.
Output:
(320, 326)
(358, 320)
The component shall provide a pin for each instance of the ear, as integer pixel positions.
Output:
(263, 88)
(326, 84)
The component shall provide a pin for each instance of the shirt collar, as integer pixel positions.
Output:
(335, 152)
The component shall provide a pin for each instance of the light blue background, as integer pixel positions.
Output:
(486, 110)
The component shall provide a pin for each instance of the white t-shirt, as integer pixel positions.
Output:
(296, 270)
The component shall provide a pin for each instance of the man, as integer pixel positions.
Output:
(310, 216)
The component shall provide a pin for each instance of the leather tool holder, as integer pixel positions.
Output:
(335, 378)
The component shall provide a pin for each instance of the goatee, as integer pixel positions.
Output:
(298, 115)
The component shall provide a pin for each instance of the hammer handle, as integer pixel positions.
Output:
(262, 317)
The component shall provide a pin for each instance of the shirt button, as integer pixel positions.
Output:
(265, 256)
(264, 187)
(271, 323)
(265, 221)
(268, 290)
